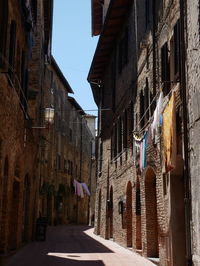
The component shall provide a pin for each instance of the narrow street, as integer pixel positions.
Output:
(75, 246)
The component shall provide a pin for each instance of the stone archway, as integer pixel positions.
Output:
(151, 214)
(138, 217)
(99, 215)
(129, 220)
(4, 210)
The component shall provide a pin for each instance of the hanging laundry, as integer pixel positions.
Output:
(81, 190)
(85, 187)
(75, 186)
(156, 117)
(169, 135)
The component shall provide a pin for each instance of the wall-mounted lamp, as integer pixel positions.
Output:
(48, 118)
(49, 115)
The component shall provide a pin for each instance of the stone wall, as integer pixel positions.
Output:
(18, 148)
(152, 230)
(193, 78)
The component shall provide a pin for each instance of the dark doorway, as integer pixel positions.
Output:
(99, 215)
(151, 214)
(110, 213)
(129, 214)
(27, 192)
(4, 210)
(138, 217)
(14, 215)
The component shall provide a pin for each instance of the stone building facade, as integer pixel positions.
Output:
(39, 160)
(66, 154)
(139, 60)
(24, 27)
(91, 123)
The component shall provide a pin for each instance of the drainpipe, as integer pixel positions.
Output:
(187, 178)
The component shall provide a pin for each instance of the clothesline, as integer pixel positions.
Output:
(144, 128)
(147, 109)
(165, 116)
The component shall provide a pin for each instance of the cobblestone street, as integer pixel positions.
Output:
(75, 246)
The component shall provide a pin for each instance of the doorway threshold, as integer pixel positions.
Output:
(156, 261)
(139, 251)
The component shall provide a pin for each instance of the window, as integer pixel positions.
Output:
(142, 120)
(123, 51)
(65, 165)
(112, 145)
(138, 202)
(18, 70)
(153, 102)
(165, 184)
(146, 101)
(119, 135)
(34, 10)
(113, 77)
(177, 49)
(147, 13)
(58, 162)
(125, 129)
(69, 167)
(3, 31)
(130, 120)
(22, 73)
(12, 49)
(165, 69)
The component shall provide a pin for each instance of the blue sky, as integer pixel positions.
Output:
(73, 46)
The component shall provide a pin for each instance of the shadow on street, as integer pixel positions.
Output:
(64, 245)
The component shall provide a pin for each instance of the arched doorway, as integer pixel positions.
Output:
(138, 217)
(27, 194)
(4, 210)
(129, 214)
(151, 214)
(111, 214)
(99, 215)
(14, 215)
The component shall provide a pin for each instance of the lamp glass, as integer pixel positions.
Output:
(49, 115)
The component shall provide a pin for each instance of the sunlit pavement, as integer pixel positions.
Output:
(75, 246)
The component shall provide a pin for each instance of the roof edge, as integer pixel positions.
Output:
(60, 74)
